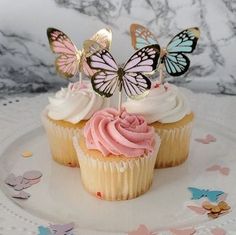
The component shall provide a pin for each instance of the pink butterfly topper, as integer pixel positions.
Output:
(142, 230)
(188, 231)
(218, 231)
(223, 170)
(208, 139)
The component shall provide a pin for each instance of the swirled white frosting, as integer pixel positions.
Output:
(75, 103)
(164, 103)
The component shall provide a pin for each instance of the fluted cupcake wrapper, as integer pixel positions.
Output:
(174, 147)
(60, 141)
(116, 180)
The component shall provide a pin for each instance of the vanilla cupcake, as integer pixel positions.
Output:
(168, 111)
(117, 153)
(67, 113)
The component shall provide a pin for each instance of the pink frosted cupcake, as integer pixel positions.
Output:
(117, 154)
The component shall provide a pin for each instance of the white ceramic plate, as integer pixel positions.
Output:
(60, 197)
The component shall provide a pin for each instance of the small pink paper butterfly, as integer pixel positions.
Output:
(198, 210)
(142, 230)
(208, 139)
(222, 170)
(189, 231)
(218, 231)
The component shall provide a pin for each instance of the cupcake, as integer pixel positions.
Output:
(67, 113)
(117, 153)
(167, 110)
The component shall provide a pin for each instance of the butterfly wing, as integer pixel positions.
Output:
(103, 37)
(90, 47)
(106, 80)
(176, 64)
(100, 40)
(136, 85)
(67, 63)
(141, 36)
(175, 61)
(143, 61)
(196, 193)
(214, 195)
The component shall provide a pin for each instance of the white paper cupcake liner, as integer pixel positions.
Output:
(174, 147)
(60, 141)
(116, 180)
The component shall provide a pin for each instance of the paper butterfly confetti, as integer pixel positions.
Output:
(222, 170)
(44, 231)
(218, 231)
(19, 183)
(213, 196)
(173, 56)
(70, 60)
(130, 77)
(142, 230)
(56, 229)
(216, 210)
(189, 231)
(208, 139)
(61, 229)
(197, 209)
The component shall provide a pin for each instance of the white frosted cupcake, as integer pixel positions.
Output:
(117, 155)
(168, 111)
(67, 113)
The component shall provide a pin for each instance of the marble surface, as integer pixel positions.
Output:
(26, 62)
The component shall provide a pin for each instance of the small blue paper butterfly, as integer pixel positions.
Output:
(44, 231)
(199, 193)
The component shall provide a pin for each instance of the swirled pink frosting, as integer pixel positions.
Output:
(116, 133)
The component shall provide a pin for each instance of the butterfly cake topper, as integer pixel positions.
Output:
(173, 56)
(130, 77)
(71, 60)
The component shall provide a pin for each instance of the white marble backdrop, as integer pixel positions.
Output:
(26, 62)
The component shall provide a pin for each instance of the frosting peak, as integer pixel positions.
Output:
(116, 133)
(164, 103)
(75, 103)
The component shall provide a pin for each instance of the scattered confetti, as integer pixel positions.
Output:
(222, 170)
(11, 180)
(18, 183)
(197, 209)
(208, 139)
(62, 229)
(21, 195)
(99, 195)
(213, 196)
(222, 197)
(142, 230)
(216, 210)
(56, 229)
(44, 230)
(218, 231)
(32, 175)
(189, 231)
(26, 154)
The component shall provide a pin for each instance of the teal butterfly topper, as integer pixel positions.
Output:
(172, 57)
(197, 193)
